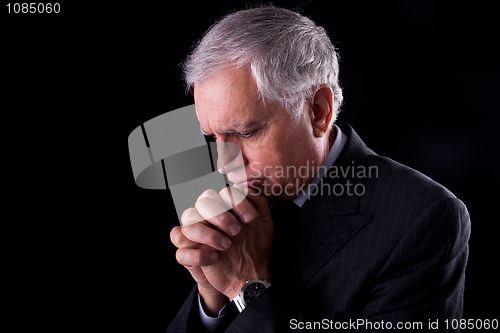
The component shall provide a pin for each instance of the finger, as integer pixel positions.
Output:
(180, 240)
(196, 257)
(198, 276)
(259, 201)
(242, 208)
(203, 234)
(191, 216)
(216, 214)
(215, 196)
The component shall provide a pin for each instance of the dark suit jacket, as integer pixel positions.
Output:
(395, 253)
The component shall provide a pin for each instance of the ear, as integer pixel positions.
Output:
(322, 110)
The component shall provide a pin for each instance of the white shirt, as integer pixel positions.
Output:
(211, 323)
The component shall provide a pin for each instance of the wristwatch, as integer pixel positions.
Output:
(249, 292)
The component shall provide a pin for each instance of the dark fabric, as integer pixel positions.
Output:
(285, 230)
(396, 253)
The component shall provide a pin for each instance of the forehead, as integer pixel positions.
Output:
(229, 100)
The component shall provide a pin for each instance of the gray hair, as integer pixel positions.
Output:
(289, 56)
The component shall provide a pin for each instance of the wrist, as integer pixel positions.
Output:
(236, 291)
(212, 302)
(251, 290)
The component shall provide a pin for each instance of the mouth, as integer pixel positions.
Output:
(250, 182)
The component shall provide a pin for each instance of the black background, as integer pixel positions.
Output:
(420, 82)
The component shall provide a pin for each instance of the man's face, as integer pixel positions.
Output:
(273, 144)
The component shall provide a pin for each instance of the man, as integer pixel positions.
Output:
(331, 235)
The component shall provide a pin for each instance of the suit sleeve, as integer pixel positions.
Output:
(423, 279)
(187, 319)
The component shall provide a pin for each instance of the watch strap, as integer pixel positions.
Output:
(240, 303)
(239, 300)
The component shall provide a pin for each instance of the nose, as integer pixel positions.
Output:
(229, 157)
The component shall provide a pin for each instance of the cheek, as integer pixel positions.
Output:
(270, 165)
(267, 153)
(275, 151)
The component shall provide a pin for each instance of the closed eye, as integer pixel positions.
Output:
(239, 134)
(213, 138)
(246, 134)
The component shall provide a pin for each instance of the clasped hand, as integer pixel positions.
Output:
(223, 250)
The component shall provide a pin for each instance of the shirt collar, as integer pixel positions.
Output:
(337, 147)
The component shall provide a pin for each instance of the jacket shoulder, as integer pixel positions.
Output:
(393, 183)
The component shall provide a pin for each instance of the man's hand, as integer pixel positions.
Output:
(220, 252)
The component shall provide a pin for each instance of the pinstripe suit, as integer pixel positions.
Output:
(396, 253)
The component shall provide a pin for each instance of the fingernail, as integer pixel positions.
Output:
(235, 229)
(214, 256)
(248, 216)
(226, 243)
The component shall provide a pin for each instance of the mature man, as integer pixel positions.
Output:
(353, 241)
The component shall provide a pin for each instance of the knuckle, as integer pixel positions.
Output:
(190, 216)
(179, 257)
(203, 202)
(196, 257)
(182, 241)
(197, 233)
(226, 195)
(225, 219)
(189, 230)
(211, 238)
(174, 235)
(224, 192)
(238, 196)
(209, 206)
(208, 193)
(185, 215)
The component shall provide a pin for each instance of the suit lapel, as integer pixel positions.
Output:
(328, 220)
(319, 238)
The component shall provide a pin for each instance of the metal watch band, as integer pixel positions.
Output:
(239, 300)
(240, 304)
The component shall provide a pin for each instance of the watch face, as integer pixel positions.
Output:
(253, 290)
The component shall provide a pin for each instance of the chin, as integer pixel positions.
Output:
(276, 191)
